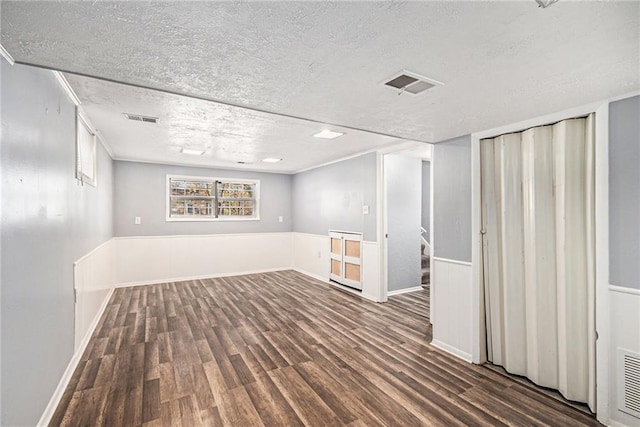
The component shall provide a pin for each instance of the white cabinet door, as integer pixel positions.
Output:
(346, 258)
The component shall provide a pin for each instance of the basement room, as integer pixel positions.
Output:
(320, 213)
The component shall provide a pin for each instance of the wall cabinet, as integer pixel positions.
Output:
(346, 258)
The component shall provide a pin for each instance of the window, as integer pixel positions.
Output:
(85, 152)
(192, 198)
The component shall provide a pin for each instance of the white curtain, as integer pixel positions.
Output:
(538, 255)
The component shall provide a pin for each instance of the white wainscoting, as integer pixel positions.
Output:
(311, 257)
(93, 281)
(451, 306)
(624, 329)
(143, 260)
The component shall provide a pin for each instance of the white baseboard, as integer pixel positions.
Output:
(208, 276)
(45, 419)
(404, 291)
(312, 275)
(452, 350)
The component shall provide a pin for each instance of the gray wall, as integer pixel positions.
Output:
(331, 198)
(141, 191)
(624, 192)
(48, 222)
(452, 199)
(403, 176)
(426, 199)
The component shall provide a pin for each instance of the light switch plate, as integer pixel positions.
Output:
(365, 210)
(280, 219)
(137, 220)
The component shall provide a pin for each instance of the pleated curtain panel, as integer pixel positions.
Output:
(538, 255)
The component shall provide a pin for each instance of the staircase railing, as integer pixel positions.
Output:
(423, 231)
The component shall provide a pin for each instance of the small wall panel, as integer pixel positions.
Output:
(335, 267)
(352, 272)
(336, 246)
(352, 248)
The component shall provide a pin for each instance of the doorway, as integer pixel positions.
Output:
(406, 219)
(538, 255)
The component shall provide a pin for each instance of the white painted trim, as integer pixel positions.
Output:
(601, 109)
(6, 55)
(312, 275)
(624, 290)
(73, 364)
(603, 321)
(179, 236)
(96, 249)
(432, 279)
(452, 350)
(381, 225)
(201, 166)
(211, 179)
(479, 350)
(404, 291)
(104, 143)
(351, 156)
(546, 119)
(452, 261)
(67, 88)
(203, 277)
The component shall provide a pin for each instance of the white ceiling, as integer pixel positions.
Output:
(500, 62)
(228, 134)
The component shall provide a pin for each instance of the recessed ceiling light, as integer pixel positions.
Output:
(192, 152)
(271, 160)
(327, 134)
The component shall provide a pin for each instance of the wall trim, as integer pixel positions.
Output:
(312, 275)
(624, 290)
(96, 249)
(203, 277)
(405, 291)
(452, 261)
(6, 55)
(452, 350)
(181, 236)
(73, 364)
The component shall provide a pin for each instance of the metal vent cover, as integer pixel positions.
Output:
(407, 81)
(629, 382)
(140, 118)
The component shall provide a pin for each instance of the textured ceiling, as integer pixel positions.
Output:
(227, 134)
(501, 62)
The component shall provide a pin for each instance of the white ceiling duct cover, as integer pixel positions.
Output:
(407, 81)
(139, 118)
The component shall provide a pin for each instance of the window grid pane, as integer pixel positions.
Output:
(202, 198)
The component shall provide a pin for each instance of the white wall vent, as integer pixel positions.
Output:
(629, 382)
(407, 81)
(139, 118)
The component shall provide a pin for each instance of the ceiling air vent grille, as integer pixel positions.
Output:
(629, 382)
(406, 81)
(140, 118)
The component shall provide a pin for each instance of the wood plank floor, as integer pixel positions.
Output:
(282, 349)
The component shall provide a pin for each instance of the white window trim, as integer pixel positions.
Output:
(80, 174)
(169, 218)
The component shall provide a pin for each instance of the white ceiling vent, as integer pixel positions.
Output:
(406, 81)
(629, 382)
(140, 118)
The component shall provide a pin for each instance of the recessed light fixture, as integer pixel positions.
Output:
(271, 160)
(192, 152)
(328, 134)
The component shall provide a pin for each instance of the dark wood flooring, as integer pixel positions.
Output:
(282, 349)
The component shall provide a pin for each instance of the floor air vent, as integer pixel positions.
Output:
(406, 81)
(139, 118)
(629, 382)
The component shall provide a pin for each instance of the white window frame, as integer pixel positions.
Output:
(254, 217)
(82, 154)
